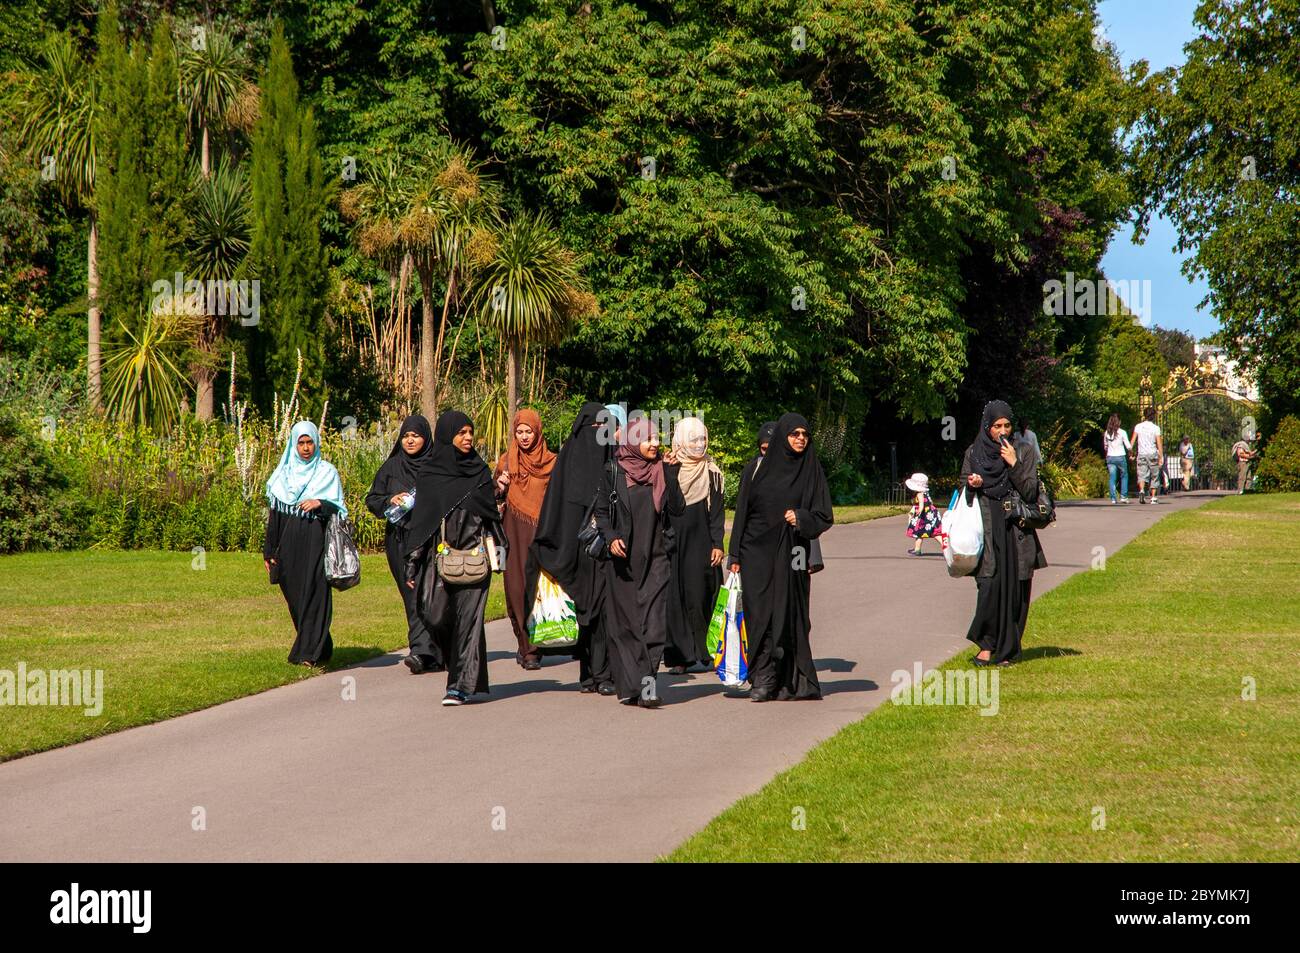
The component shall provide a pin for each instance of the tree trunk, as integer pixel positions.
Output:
(92, 316)
(512, 372)
(204, 163)
(442, 326)
(428, 388)
(204, 377)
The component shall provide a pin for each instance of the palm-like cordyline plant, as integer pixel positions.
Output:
(529, 291)
(217, 238)
(145, 381)
(215, 76)
(60, 104)
(429, 207)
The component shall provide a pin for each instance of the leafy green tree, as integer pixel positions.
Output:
(1215, 152)
(290, 193)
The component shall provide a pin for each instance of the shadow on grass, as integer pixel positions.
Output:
(1046, 651)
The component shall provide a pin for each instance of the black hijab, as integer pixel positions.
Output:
(765, 433)
(986, 453)
(786, 479)
(404, 465)
(446, 479)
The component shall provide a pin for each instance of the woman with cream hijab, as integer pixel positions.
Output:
(697, 550)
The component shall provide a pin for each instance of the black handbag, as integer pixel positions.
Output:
(1031, 516)
(590, 538)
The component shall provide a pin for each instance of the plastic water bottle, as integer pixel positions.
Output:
(396, 512)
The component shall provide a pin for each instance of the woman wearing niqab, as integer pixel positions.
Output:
(575, 480)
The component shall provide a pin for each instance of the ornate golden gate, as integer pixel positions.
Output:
(1196, 404)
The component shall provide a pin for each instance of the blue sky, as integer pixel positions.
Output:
(1155, 30)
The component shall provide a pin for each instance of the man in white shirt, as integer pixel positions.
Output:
(1150, 447)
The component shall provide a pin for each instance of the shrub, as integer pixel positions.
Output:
(35, 504)
(1279, 467)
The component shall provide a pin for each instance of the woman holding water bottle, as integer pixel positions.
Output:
(391, 498)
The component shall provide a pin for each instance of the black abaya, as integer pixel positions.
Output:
(297, 544)
(636, 605)
(574, 480)
(454, 614)
(773, 558)
(389, 481)
(694, 585)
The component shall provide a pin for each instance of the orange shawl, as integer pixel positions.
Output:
(530, 470)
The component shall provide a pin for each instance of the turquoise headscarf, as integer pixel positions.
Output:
(296, 479)
(615, 418)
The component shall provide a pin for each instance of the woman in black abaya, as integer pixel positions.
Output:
(784, 504)
(453, 483)
(646, 496)
(302, 494)
(696, 551)
(574, 481)
(395, 479)
(992, 471)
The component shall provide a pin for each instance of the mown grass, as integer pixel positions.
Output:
(1130, 702)
(169, 638)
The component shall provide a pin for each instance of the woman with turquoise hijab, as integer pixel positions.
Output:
(302, 494)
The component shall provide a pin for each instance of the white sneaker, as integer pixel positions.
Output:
(1124, 499)
(1154, 501)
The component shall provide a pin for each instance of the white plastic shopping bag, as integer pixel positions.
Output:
(963, 534)
(553, 623)
(730, 658)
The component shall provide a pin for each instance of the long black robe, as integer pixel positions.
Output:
(695, 582)
(296, 541)
(773, 558)
(455, 487)
(390, 481)
(454, 615)
(636, 604)
(574, 481)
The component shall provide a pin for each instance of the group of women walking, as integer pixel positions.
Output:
(632, 533)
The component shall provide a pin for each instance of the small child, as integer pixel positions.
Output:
(923, 523)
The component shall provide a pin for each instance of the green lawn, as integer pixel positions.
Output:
(1130, 701)
(170, 639)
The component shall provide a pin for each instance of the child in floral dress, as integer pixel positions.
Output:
(923, 523)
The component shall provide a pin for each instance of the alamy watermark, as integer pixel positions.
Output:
(217, 296)
(973, 687)
(74, 687)
(1087, 296)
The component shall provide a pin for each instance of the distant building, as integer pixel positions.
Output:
(1216, 359)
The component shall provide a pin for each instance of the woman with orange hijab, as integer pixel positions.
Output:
(522, 475)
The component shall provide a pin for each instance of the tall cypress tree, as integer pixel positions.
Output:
(140, 180)
(290, 194)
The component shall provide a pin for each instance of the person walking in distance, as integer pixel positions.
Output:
(1243, 454)
(1150, 446)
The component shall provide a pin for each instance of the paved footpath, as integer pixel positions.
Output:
(298, 773)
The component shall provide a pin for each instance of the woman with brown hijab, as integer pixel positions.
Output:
(522, 475)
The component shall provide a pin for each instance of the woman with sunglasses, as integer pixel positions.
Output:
(783, 505)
